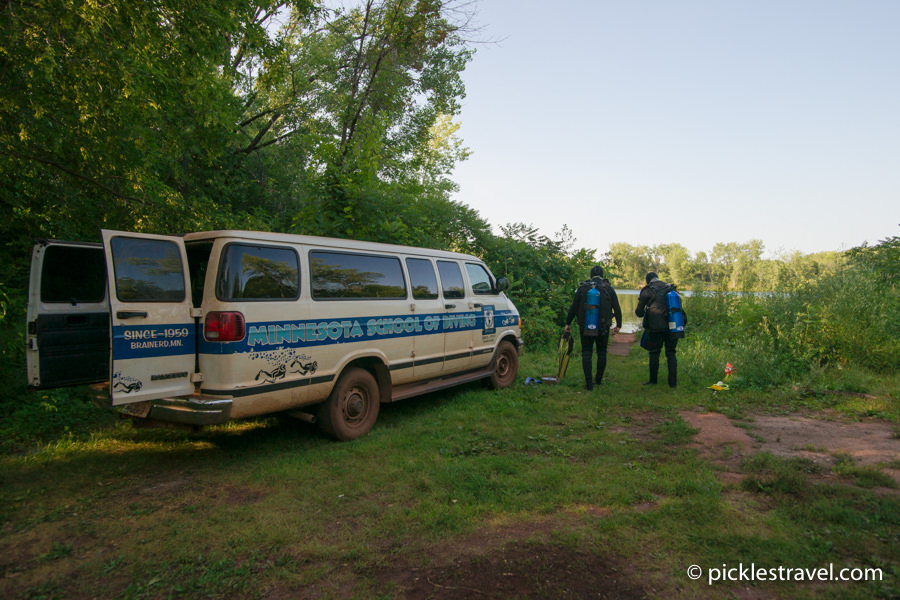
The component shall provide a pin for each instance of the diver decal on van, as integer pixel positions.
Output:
(509, 320)
(126, 383)
(295, 364)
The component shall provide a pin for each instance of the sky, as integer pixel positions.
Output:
(686, 121)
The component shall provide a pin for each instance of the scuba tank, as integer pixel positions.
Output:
(676, 314)
(592, 312)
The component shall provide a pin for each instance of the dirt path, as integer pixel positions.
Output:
(823, 441)
(621, 343)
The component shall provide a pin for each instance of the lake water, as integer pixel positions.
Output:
(628, 300)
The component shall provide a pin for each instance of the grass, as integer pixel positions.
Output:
(467, 482)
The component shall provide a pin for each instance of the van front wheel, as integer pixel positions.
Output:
(352, 408)
(506, 366)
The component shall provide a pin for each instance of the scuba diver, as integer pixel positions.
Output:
(594, 305)
(663, 322)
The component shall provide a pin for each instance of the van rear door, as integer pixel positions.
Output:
(67, 340)
(153, 330)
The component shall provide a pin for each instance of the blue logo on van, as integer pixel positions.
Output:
(487, 318)
(263, 336)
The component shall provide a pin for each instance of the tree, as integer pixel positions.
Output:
(681, 269)
(882, 259)
(733, 263)
(119, 114)
(174, 116)
(630, 263)
(374, 120)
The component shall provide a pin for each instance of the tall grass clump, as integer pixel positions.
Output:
(726, 327)
(848, 319)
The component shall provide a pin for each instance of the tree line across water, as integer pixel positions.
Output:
(729, 265)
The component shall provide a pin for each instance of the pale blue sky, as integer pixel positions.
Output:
(687, 121)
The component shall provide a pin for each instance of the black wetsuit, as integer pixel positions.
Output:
(656, 328)
(601, 340)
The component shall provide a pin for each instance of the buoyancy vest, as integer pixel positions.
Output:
(656, 313)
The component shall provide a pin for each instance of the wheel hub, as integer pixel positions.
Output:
(356, 405)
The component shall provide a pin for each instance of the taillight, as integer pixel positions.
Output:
(224, 327)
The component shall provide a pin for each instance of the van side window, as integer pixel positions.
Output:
(343, 275)
(258, 273)
(451, 280)
(422, 279)
(147, 270)
(73, 275)
(479, 278)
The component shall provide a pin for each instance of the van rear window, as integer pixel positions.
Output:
(73, 275)
(258, 273)
(340, 275)
(147, 270)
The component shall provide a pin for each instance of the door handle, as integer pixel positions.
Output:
(476, 305)
(449, 306)
(130, 314)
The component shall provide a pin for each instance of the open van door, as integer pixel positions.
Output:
(153, 330)
(67, 336)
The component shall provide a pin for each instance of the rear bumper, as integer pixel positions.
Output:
(197, 410)
(192, 410)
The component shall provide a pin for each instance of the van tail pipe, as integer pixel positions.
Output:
(303, 416)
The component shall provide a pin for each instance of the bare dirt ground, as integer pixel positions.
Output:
(521, 561)
(823, 441)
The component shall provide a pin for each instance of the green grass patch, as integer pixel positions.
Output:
(456, 481)
(774, 475)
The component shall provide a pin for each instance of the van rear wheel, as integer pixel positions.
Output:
(352, 408)
(506, 366)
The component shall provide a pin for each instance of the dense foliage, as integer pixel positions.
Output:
(543, 273)
(263, 114)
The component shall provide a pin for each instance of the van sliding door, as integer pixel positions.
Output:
(153, 332)
(458, 321)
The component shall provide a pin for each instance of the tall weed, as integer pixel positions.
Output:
(849, 319)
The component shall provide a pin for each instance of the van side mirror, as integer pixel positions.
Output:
(502, 284)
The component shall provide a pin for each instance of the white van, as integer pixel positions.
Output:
(213, 326)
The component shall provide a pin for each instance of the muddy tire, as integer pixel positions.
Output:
(352, 408)
(506, 366)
